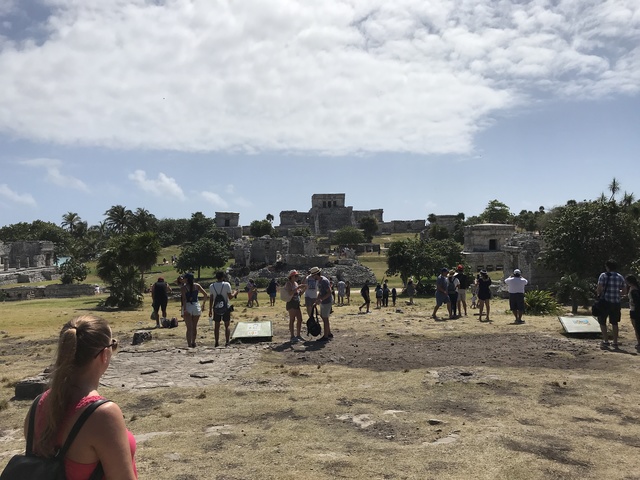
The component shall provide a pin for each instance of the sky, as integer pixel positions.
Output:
(415, 107)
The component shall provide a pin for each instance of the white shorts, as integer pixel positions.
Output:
(193, 309)
(325, 310)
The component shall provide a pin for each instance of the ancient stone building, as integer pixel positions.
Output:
(292, 250)
(484, 245)
(230, 223)
(26, 254)
(523, 251)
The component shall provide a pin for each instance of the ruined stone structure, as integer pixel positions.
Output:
(402, 226)
(328, 212)
(292, 251)
(522, 251)
(26, 254)
(484, 245)
(230, 223)
(48, 291)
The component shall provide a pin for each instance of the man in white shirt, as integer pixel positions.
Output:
(516, 284)
(311, 293)
(221, 313)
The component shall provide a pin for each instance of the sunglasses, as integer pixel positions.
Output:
(113, 345)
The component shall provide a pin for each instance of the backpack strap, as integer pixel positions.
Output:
(32, 422)
(78, 425)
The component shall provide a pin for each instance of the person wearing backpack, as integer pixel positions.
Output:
(219, 296)
(272, 290)
(103, 443)
(452, 290)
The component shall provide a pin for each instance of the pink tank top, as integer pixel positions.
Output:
(75, 470)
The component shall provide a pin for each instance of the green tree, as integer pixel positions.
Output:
(144, 221)
(122, 267)
(348, 236)
(369, 226)
(270, 218)
(199, 226)
(496, 212)
(70, 220)
(73, 270)
(301, 232)
(438, 232)
(172, 231)
(581, 237)
(204, 253)
(119, 219)
(415, 257)
(574, 290)
(260, 228)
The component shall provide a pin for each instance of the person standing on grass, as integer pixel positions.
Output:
(293, 305)
(160, 296)
(347, 291)
(364, 291)
(452, 290)
(484, 294)
(410, 291)
(394, 295)
(192, 309)
(341, 292)
(311, 292)
(220, 287)
(462, 289)
(385, 294)
(611, 286)
(634, 306)
(442, 293)
(515, 284)
(272, 290)
(324, 300)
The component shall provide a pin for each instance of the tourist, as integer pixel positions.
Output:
(311, 292)
(192, 309)
(159, 297)
(452, 289)
(293, 305)
(378, 292)
(611, 285)
(463, 278)
(634, 306)
(333, 292)
(341, 291)
(180, 282)
(272, 291)
(85, 348)
(474, 295)
(394, 295)
(324, 300)
(364, 291)
(442, 293)
(385, 294)
(516, 283)
(484, 294)
(347, 291)
(220, 287)
(410, 291)
(249, 289)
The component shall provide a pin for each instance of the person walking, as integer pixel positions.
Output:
(192, 308)
(85, 348)
(611, 286)
(222, 288)
(364, 291)
(442, 293)
(515, 284)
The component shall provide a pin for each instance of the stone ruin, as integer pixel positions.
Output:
(27, 261)
(523, 251)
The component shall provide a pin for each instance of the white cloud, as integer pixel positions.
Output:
(14, 197)
(340, 76)
(54, 175)
(214, 199)
(163, 186)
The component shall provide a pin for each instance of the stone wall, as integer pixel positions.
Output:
(227, 219)
(49, 291)
(487, 237)
(26, 254)
(31, 275)
(402, 226)
(524, 251)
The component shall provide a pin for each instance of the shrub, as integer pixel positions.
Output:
(540, 302)
(262, 282)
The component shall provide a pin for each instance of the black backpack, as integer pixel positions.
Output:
(32, 467)
(313, 325)
(219, 305)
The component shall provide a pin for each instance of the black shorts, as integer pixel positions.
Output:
(612, 311)
(293, 305)
(160, 304)
(226, 318)
(516, 302)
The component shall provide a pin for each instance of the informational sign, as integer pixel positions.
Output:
(253, 330)
(580, 324)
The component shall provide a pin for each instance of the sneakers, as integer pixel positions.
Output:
(519, 322)
(294, 340)
(322, 339)
(604, 344)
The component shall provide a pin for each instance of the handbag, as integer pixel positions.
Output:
(32, 467)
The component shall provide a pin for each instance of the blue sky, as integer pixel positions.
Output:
(415, 107)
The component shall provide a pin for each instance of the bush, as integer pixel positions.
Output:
(540, 302)
(73, 270)
(262, 282)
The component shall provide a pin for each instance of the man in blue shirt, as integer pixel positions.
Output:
(611, 287)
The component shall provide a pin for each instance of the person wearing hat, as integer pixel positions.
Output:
(325, 300)
(192, 308)
(515, 284)
(311, 290)
(442, 294)
(159, 297)
(293, 291)
(484, 294)
(462, 289)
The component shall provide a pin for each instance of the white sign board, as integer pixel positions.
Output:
(580, 324)
(253, 330)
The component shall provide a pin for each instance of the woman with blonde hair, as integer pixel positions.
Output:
(85, 348)
(293, 304)
(192, 308)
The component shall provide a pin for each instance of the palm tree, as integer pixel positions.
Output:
(614, 188)
(144, 221)
(70, 220)
(627, 199)
(118, 219)
(270, 218)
